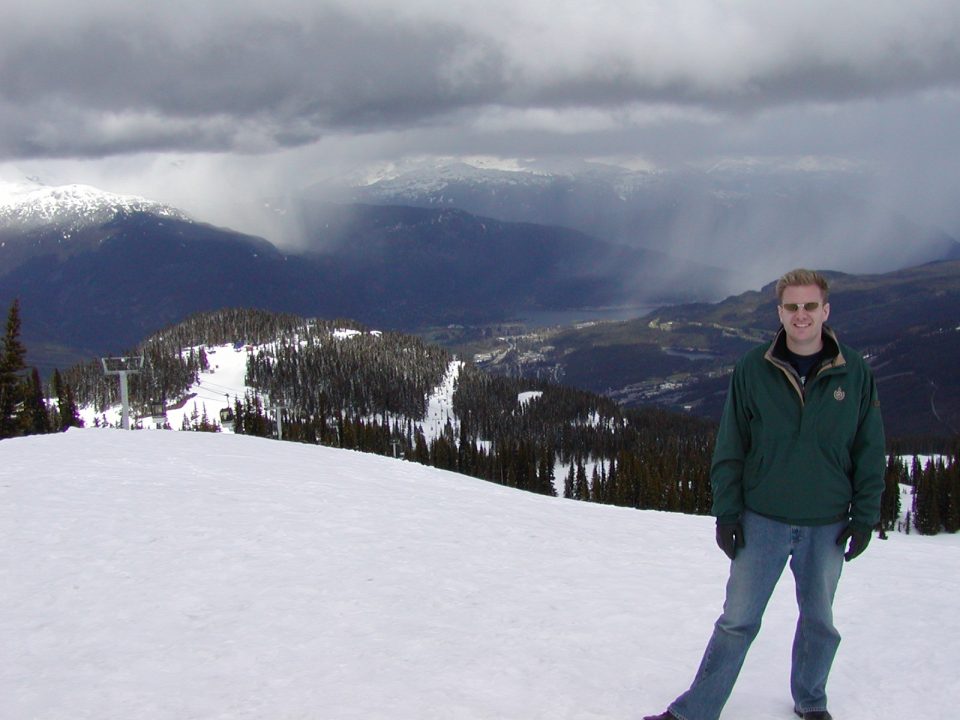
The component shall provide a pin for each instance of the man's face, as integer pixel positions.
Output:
(803, 326)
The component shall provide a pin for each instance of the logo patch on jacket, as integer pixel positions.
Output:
(839, 394)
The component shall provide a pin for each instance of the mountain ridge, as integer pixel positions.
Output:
(422, 269)
(109, 284)
(757, 218)
(71, 207)
(905, 322)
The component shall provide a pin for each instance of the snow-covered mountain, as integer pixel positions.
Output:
(394, 267)
(424, 175)
(170, 575)
(26, 206)
(752, 220)
(448, 181)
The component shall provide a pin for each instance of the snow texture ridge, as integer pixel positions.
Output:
(70, 207)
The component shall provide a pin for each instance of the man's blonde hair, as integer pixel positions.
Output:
(801, 276)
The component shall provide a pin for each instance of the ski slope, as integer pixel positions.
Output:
(225, 380)
(174, 576)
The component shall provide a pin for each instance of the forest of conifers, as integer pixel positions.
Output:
(369, 392)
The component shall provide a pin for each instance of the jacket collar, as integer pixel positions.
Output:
(832, 354)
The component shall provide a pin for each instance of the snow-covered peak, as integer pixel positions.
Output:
(71, 207)
(434, 176)
(431, 173)
(441, 167)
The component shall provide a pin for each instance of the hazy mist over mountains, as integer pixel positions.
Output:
(728, 230)
(743, 223)
(746, 222)
(751, 222)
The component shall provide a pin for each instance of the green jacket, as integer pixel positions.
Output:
(805, 456)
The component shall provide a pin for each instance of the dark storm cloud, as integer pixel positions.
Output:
(100, 78)
(246, 82)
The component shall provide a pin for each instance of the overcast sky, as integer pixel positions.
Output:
(182, 101)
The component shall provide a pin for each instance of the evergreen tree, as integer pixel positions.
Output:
(442, 453)
(35, 417)
(916, 470)
(67, 413)
(890, 501)
(421, 452)
(12, 387)
(951, 513)
(926, 505)
(596, 486)
(581, 490)
(546, 475)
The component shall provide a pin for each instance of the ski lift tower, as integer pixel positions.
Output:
(123, 366)
(276, 407)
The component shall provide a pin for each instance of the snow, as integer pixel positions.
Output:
(218, 387)
(435, 174)
(173, 575)
(440, 405)
(32, 204)
(525, 398)
(216, 390)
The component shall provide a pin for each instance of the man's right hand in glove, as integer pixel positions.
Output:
(730, 537)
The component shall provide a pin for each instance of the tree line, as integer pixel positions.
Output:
(935, 493)
(24, 405)
(368, 391)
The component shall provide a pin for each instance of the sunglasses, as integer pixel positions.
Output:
(794, 307)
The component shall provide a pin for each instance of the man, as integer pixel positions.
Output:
(797, 473)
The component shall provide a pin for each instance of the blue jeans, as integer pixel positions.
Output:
(816, 562)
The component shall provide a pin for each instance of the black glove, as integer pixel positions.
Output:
(859, 540)
(730, 537)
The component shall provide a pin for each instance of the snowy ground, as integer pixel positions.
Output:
(173, 576)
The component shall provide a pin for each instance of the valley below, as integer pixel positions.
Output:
(679, 357)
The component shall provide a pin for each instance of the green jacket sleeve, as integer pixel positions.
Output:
(869, 459)
(733, 442)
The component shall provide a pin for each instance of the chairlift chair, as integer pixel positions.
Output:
(226, 417)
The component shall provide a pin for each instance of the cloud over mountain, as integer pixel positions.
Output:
(217, 106)
(106, 77)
